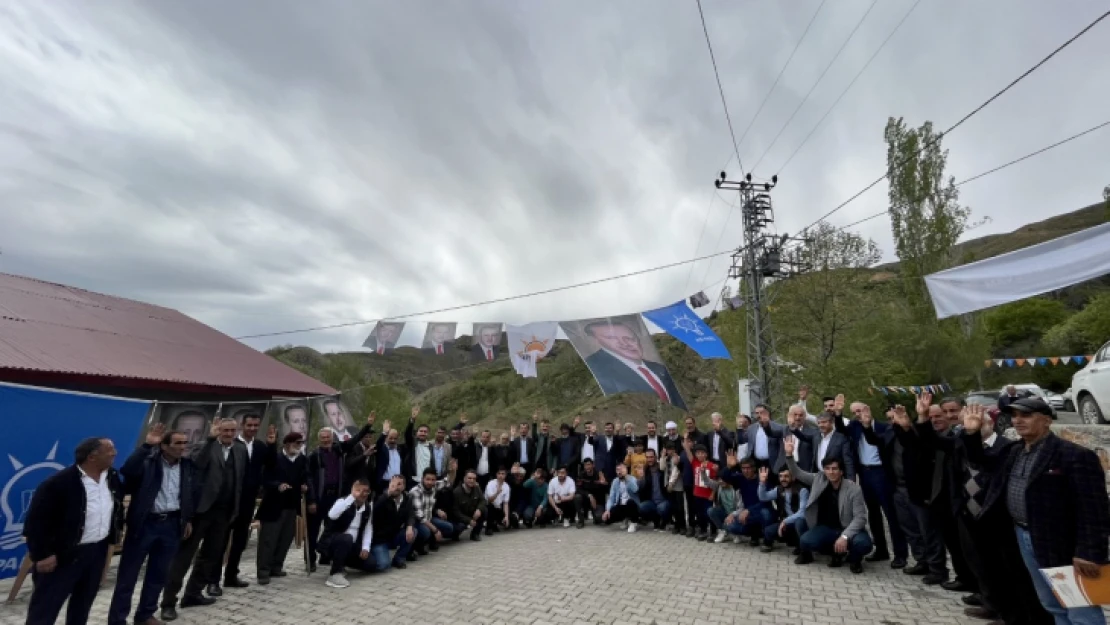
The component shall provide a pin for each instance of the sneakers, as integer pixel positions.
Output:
(338, 580)
(566, 522)
(721, 536)
(737, 539)
(625, 524)
(632, 528)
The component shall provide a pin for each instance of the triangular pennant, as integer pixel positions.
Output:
(987, 363)
(1065, 359)
(1032, 362)
(1009, 362)
(1019, 361)
(1090, 358)
(871, 391)
(1077, 359)
(998, 362)
(1054, 360)
(1042, 361)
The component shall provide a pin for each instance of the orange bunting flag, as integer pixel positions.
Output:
(1054, 360)
(1019, 361)
(987, 363)
(1091, 358)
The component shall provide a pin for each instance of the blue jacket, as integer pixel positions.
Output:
(142, 480)
(633, 488)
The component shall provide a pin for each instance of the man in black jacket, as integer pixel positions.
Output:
(1054, 492)
(469, 506)
(259, 456)
(284, 483)
(394, 522)
(343, 549)
(522, 450)
(326, 479)
(160, 483)
(73, 518)
(217, 491)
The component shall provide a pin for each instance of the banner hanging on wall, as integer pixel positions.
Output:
(33, 451)
(622, 357)
(684, 324)
(329, 411)
(192, 419)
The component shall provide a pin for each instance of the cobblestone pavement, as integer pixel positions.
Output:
(593, 575)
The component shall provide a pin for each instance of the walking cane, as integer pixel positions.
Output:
(304, 542)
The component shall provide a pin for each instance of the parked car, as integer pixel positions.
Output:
(982, 398)
(1069, 403)
(1091, 388)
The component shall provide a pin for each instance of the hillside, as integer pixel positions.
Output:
(494, 396)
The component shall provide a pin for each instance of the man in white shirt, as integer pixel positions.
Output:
(349, 525)
(560, 498)
(497, 503)
(483, 461)
(68, 528)
(652, 440)
(588, 442)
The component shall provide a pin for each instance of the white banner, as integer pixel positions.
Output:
(529, 343)
(1022, 273)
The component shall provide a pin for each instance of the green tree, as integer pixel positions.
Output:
(1021, 324)
(1083, 332)
(925, 215)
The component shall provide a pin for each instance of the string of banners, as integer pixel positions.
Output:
(618, 350)
(1042, 361)
(914, 390)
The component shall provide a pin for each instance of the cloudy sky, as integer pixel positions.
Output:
(265, 166)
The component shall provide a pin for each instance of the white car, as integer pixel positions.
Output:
(1091, 388)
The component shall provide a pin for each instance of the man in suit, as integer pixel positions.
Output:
(804, 432)
(259, 455)
(426, 454)
(718, 440)
(361, 460)
(285, 483)
(440, 339)
(218, 488)
(485, 348)
(326, 478)
(73, 517)
(619, 364)
(652, 440)
(544, 457)
(609, 450)
(522, 449)
(835, 514)
(828, 443)
(337, 421)
(384, 337)
(1055, 494)
(394, 457)
(160, 482)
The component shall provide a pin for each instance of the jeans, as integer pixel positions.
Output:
(1064, 616)
(424, 533)
(380, 551)
(76, 579)
(880, 500)
(791, 534)
(822, 538)
(342, 552)
(156, 542)
(657, 511)
(701, 513)
(758, 518)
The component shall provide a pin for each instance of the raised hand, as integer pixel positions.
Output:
(271, 434)
(764, 472)
(577, 420)
(788, 445)
(730, 458)
(371, 418)
(803, 393)
(972, 418)
(924, 400)
(415, 413)
(838, 403)
(214, 431)
(512, 432)
(899, 417)
(463, 418)
(386, 426)
(154, 436)
(535, 416)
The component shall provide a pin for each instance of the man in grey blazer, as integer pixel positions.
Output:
(218, 482)
(828, 443)
(836, 514)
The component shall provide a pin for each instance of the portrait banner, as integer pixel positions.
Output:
(289, 415)
(240, 410)
(620, 354)
(439, 337)
(383, 338)
(34, 450)
(487, 342)
(191, 419)
(528, 344)
(329, 411)
(684, 324)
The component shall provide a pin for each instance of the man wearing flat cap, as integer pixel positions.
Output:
(1054, 491)
(284, 482)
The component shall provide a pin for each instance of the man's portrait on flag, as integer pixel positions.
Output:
(486, 342)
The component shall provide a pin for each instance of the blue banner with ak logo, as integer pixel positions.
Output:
(41, 429)
(681, 322)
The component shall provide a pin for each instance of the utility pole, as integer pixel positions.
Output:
(763, 258)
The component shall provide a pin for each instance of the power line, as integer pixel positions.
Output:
(974, 111)
(1032, 154)
(491, 301)
(999, 168)
(721, 89)
(720, 237)
(704, 223)
(817, 82)
(781, 72)
(850, 85)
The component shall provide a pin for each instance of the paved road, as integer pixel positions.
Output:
(1068, 417)
(594, 575)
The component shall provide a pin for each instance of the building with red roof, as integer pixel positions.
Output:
(59, 336)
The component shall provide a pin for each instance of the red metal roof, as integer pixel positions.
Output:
(55, 328)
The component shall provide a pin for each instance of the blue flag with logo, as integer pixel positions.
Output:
(681, 322)
(42, 427)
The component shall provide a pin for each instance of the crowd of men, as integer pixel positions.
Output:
(948, 486)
